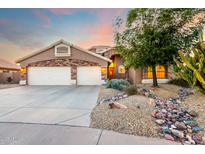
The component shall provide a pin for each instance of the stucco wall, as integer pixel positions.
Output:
(135, 75)
(118, 62)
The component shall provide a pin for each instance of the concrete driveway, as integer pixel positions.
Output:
(70, 105)
(56, 115)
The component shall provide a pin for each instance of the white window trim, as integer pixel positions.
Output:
(158, 80)
(62, 54)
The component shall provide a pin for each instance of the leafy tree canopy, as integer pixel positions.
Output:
(153, 36)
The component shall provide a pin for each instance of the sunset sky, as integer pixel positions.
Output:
(23, 31)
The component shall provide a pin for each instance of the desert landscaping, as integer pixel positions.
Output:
(168, 111)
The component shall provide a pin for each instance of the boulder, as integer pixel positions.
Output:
(117, 105)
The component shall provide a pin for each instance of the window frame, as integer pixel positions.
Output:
(68, 53)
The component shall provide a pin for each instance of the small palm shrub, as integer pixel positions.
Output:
(131, 90)
(179, 82)
(118, 84)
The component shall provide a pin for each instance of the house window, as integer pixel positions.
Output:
(161, 72)
(121, 69)
(62, 50)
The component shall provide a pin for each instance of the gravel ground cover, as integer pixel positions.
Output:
(196, 102)
(135, 120)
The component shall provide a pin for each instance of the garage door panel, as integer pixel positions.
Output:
(49, 75)
(89, 76)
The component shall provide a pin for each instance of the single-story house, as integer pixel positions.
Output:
(116, 70)
(9, 72)
(63, 63)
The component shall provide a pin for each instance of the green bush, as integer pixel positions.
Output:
(131, 90)
(179, 82)
(119, 84)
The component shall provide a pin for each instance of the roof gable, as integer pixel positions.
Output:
(61, 42)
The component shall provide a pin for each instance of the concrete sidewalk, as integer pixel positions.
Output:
(49, 134)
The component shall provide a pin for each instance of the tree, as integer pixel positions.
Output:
(153, 36)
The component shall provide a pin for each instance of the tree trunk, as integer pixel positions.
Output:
(154, 76)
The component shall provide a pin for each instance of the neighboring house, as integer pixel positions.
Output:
(136, 76)
(9, 72)
(63, 63)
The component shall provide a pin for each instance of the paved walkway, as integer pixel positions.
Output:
(49, 134)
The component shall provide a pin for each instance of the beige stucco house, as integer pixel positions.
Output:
(63, 63)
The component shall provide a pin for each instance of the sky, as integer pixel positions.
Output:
(23, 31)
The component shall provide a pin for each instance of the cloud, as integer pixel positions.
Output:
(100, 34)
(63, 11)
(7, 46)
(43, 18)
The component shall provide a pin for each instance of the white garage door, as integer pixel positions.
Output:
(49, 75)
(89, 75)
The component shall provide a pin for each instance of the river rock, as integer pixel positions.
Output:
(177, 133)
(193, 113)
(153, 114)
(189, 130)
(197, 138)
(159, 115)
(188, 122)
(196, 129)
(151, 102)
(169, 137)
(160, 121)
(187, 142)
(180, 125)
(173, 126)
(189, 138)
(117, 105)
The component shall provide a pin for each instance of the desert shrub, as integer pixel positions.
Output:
(131, 90)
(9, 79)
(179, 82)
(119, 84)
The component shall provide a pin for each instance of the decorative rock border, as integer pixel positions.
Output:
(114, 98)
(176, 123)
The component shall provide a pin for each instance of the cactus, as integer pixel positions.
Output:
(191, 66)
